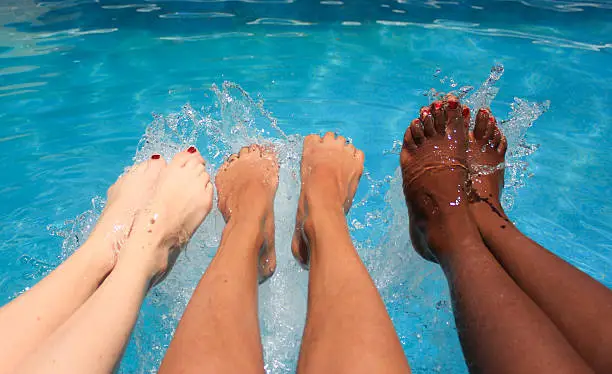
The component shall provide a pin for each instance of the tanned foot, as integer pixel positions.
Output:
(246, 186)
(486, 156)
(127, 196)
(434, 170)
(181, 201)
(330, 173)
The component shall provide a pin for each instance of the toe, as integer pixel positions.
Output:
(191, 154)
(329, 136)
(454, 115)
(503, 145)
(482, 122)
(243, 151)
(233, 157)
(312, 138)
(466, 117)
(439, 116)
(409, 143)
(359, 155)
(497, 136)
(428, 121)
(418, 135)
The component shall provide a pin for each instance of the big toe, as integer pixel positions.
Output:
(454, 116)
(190, 155)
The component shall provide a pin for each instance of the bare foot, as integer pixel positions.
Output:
(129, 194)
(330, 172)
(486, 156)
(433, 163)
(181, 201)
(246, 186)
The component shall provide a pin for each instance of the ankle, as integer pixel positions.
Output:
(452, 232)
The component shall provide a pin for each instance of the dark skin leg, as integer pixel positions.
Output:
(501, 329)
(580, 307)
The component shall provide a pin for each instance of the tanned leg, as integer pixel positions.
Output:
(32, 317)
(219, 332)
(580, 306)
(501, 329)
(347, 328)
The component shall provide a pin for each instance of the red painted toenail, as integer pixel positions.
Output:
(425, 113)
(191, 149)
(482, 110)
(155, 157)
(453, 104)
(466, 112)
(438, 105)
(491, 120)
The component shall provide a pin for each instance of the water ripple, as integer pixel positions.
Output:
(536, 39)
(279, 21)
(195, 15)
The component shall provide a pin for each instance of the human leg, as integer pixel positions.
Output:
(580, 307)
(92, 340)
(33, 316)
(501, 329)
(219, 332)
(347, 326)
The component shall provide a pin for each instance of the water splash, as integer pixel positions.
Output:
(414, 290)
(521, 117)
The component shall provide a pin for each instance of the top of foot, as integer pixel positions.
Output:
(486, 156)
(246, 186)
(330, 172)
(127, 196)
(181, 201)
(434, 168)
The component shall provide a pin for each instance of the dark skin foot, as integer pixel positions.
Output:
(580, 307)
(433, 162)
(500, 327)
(250, 178)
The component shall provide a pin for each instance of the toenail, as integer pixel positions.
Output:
(191, 149)
(425, 113)
(466, 112)
(482, 110)
(438, 105)
(155, 157)
(491, 120)
(453, 104)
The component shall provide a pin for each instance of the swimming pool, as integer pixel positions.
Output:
(79, 81)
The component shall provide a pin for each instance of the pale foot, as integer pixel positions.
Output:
(486, 156)
(434, 170)
(246, 186)
(180, 203)
(128, 195)
(330, 173)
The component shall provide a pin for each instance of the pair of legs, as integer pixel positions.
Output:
(518, 307)
(347, 327)
(79, 318)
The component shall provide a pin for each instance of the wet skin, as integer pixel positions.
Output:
(502, 330)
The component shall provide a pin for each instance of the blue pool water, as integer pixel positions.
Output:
(80, 81)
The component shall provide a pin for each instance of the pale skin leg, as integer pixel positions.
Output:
(32, 317)
(92, 340)
(501, 329)
(579, 306)
(219, 331)
(347, 328)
